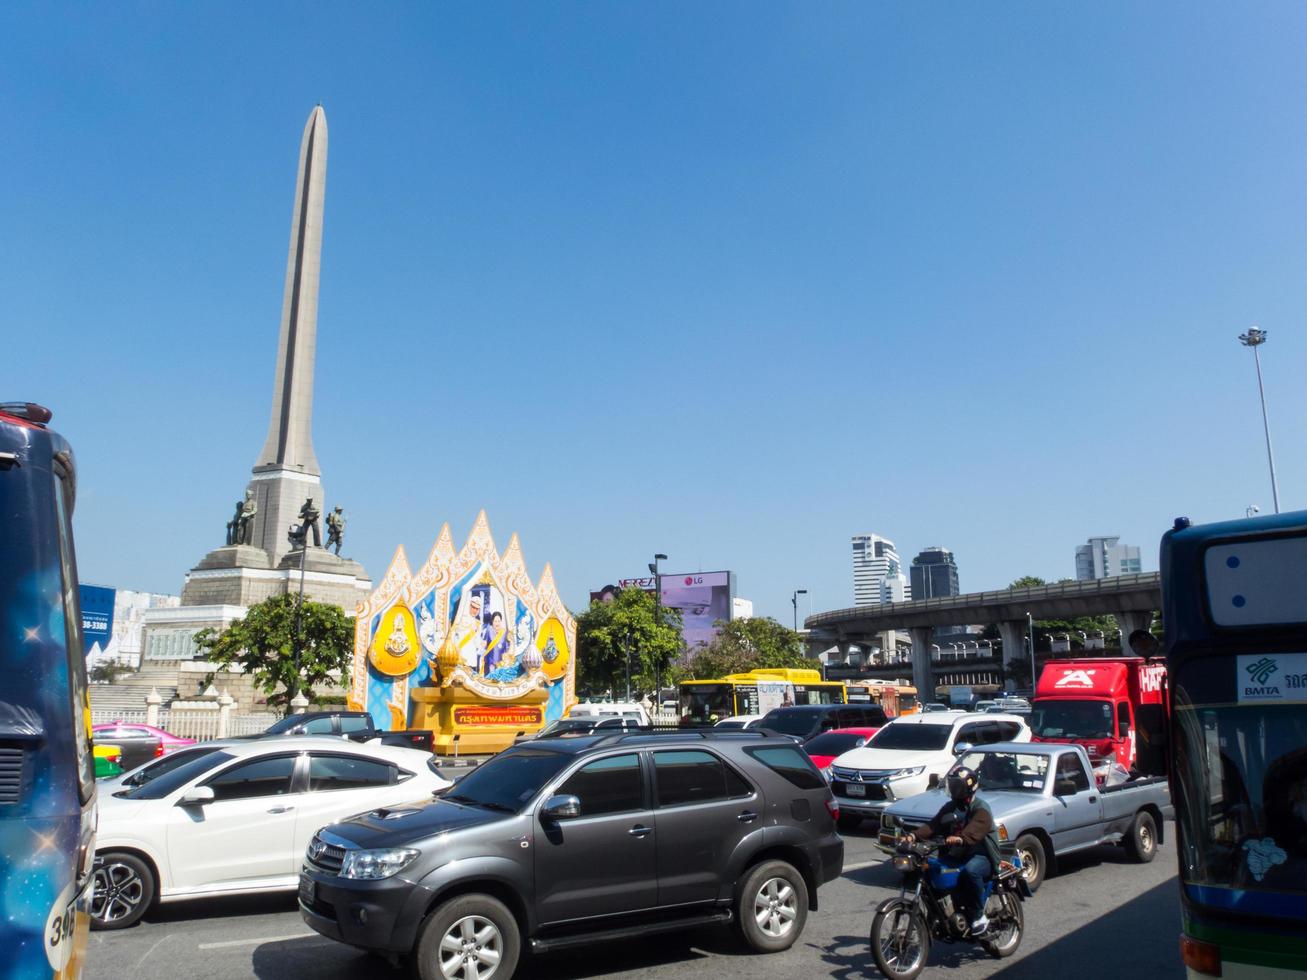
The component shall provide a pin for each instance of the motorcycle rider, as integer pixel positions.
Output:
(967, 825)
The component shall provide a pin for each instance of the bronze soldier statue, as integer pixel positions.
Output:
(309, 522)
(336, 529)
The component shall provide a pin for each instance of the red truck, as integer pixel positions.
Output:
(1101, 704)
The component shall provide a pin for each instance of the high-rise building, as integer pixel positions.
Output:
(1104, 557)
(934, 574)
(877, 572)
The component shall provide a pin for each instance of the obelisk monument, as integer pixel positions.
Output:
(287, 472)
(258, 560)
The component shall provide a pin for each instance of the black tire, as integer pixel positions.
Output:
(771, 907)
(1141, 842)
(895, 931)
(125, 890)
(1006, 929)
(1034, 860)
(849, 821)
(476, 925)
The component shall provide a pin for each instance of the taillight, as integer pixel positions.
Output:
(1199, 956)
(158, 750)
(832, 808)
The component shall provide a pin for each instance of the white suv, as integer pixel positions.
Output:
(908, 754)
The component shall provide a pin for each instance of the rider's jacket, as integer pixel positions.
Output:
(973, 822)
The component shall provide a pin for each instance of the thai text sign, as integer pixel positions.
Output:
(498, 714)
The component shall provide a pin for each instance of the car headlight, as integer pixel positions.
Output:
(914, 771)
(826, 773)
(370, 865)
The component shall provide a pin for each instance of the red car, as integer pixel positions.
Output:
(823, 748)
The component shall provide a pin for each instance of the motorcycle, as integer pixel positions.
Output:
(924, 911)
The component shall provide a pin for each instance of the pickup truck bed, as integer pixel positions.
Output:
(1044, 823)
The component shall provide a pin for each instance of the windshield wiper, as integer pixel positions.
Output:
(481, 803)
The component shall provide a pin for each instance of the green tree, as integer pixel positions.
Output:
(1046, 628)
(1027, 582)
(748, 644)
(262, 643)
(608, 631)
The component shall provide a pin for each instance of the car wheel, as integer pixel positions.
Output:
(1141, 841)
(124, 891)
(849, 821)
(1034, 860)
(472, 937)
(772, 907)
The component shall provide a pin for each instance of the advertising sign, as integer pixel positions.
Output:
(703, 598)
(97, 615)
(1272, 677)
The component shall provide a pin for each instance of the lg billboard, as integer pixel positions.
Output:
(703, 598)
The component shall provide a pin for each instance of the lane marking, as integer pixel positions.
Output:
(860, 865)
(259, 939)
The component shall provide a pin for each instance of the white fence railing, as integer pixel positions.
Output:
(200, 720)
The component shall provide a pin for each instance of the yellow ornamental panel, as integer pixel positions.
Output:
(395, 648)
(555, 654)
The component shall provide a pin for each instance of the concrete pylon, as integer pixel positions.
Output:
(923, 676)
(1129, 622)
(1013, 635)
(287, 470)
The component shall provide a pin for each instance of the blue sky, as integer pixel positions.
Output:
(727, 281)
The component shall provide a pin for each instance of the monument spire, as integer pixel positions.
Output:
(287, 472)
(290, 432)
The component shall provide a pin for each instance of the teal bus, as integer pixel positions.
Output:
(1234, 607)
(47, 777)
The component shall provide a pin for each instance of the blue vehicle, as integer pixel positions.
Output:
(904, 927)
(47, 774)
(1235, 610)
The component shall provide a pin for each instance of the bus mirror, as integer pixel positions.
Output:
(198, 796)
(1144, 644)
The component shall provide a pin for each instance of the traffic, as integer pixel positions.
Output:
(603, 828)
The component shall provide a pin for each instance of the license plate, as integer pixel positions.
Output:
(308, 890)
(855, 789)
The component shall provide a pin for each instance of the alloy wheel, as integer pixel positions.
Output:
(471, 949)
(775, 907)
(119, 891)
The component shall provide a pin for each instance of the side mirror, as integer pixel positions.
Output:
(560, 808)
(962, 747)
(197, 796)
(934, 781)
(1064, 787)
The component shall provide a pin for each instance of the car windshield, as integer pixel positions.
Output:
(912, 737)
(161, 767)
(157, 789)
(285, 725)
(1241, 785)
(703, 704)
(730, 724)
(1021, 772)
(788, 721)
(563, 725)
(1072, 719)
(509, 780)
(833, 743)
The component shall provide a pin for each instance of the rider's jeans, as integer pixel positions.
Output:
(971, 885)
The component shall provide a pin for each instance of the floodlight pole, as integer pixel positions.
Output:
(794, 601)
(1254, 338)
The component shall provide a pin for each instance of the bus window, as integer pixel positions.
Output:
(706, 704)
(79, 696)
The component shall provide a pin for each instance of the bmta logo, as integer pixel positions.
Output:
(1262, 670)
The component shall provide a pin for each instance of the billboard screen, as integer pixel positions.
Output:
(703, 598)
(97, 615)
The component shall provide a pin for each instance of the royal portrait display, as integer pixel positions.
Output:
(466, 647)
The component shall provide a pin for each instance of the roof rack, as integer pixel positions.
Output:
(705, 733)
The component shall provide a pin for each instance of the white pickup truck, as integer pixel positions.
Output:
(1046, 804)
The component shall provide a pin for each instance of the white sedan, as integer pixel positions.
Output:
(236, 820)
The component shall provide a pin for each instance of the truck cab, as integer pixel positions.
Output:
(1098, 704)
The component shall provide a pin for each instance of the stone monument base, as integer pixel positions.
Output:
(239, 575)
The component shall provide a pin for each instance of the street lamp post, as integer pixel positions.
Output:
(658, 620)
(1254, 338)
(794, 601)
(299, 615)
